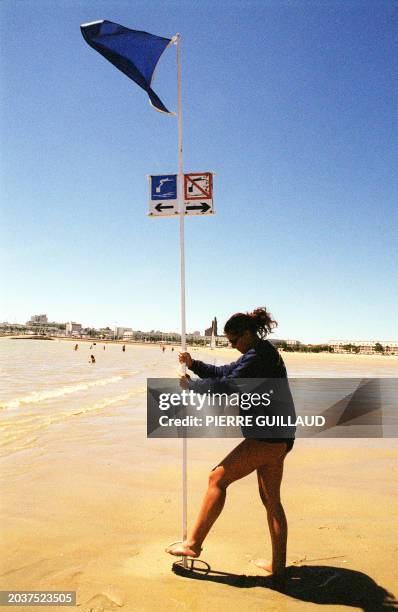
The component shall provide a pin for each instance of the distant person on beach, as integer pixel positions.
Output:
(172, 349)
(247, 333)
(124, 348)
(92, 359)
(163, 348)
(104, 346)
(76, 347)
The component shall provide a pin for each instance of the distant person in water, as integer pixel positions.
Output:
(92, 359)
(76, 347)
(260, 359)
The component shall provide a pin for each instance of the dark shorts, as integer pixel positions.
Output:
(289, 442)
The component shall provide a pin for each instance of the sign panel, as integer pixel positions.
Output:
(198, 193)
(163, 195)
(198, 185)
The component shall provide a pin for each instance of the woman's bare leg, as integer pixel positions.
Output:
(241, 461)
(269, 480)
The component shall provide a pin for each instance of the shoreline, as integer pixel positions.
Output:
(204, 348)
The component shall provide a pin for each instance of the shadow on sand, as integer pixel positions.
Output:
(320, 584)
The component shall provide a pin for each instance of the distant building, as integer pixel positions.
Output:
(213, 328)
(222, 341)
(37, 319)
(73, 329)
(364, 347)
(120, 331)
(278, 342)
(9, 328)
(106, 333)
(196, 333)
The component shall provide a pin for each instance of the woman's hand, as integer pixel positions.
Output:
(185, 358)
(184, 381)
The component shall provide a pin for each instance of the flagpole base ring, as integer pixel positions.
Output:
(194, 566)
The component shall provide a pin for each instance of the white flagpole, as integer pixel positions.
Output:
(180, 189)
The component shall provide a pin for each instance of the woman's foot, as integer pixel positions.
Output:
(267, 566)
(263, 564)
(184, 549)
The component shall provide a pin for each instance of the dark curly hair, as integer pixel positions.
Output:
(259, 321)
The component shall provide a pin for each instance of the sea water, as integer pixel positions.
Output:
(44, 382)
(47, 382)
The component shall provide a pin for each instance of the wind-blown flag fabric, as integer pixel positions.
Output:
(133, 52)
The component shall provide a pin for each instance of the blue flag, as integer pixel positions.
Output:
(133, 52)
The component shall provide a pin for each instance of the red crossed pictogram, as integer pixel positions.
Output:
(192, 179)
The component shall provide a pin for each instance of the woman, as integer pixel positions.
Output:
(246, 332)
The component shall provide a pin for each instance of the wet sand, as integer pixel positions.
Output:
(91, 506)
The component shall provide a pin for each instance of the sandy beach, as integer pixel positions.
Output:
(88, 503)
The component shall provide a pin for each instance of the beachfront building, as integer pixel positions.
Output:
(156, 336)
(283, 343)
(73, 329)
(37, 320)
(118, 332)
(365, 347)
(12, 328)
(106, 333)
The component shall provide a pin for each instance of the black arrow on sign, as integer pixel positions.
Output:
(203, 207)
(159, 207)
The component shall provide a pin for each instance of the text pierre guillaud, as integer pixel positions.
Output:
(245, 401)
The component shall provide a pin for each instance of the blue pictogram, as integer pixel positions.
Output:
(164, 187)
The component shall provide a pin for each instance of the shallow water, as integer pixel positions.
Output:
(47, 382)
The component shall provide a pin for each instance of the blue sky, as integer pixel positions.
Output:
(291, 104)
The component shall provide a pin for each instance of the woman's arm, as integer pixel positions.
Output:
(205, 370)
(245, 367)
